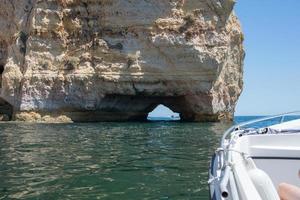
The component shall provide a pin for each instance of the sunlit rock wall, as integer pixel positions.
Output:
(116, 60)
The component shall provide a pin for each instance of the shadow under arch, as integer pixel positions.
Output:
(1, 72)
(6, 110)
(120, 108)
(3, 58)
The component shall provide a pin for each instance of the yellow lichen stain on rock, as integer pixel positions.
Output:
(37, 117)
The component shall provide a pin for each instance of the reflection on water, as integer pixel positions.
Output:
(162, 160)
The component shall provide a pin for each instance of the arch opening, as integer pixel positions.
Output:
(163, 113)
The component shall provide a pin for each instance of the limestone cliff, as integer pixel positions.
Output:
(116, 60)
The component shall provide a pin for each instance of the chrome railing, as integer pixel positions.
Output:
(239, 126)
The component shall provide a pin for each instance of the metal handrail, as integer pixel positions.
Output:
(238, 126)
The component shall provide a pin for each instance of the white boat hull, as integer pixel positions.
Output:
(252, 163)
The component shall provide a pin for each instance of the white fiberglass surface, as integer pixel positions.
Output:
(279, 145)
(280, 171)
(294, 124)
(278, 155)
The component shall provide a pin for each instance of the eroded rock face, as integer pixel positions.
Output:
(116, 60)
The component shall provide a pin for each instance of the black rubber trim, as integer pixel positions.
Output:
(214, 197)
(212, 164)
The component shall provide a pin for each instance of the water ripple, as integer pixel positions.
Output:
(106, 160)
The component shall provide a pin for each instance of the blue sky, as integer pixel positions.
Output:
(272, 63)
(162, 111)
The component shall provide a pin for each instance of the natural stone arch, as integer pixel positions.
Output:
(187, 55)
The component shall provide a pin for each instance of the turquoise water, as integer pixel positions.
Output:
(158, 160)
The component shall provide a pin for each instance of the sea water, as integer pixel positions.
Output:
(156, 160)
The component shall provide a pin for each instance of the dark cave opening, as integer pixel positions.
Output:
(6, 110)
(1, 72)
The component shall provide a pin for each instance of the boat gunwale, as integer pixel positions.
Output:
(240, 125)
